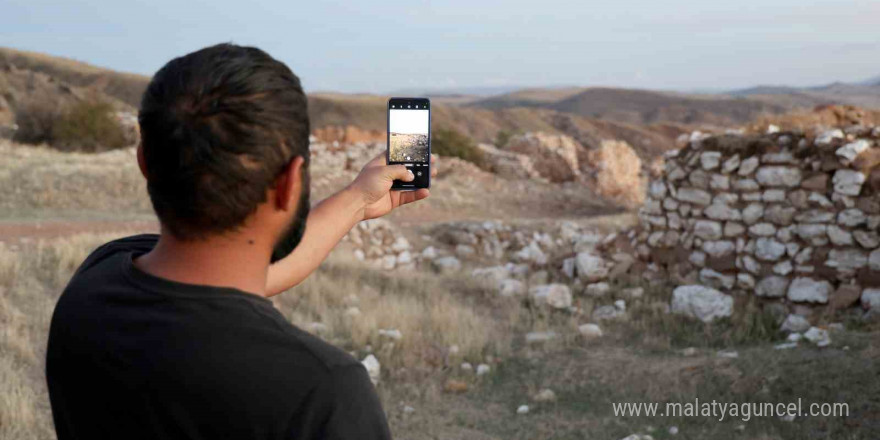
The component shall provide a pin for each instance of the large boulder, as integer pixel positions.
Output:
(509, 165)
(555, 157)
(446, 265)
(616, 168)
(591, 267)
(700, 302)
(511, 287)
(795, 324)
(374, 369)
(818, 336)
(557, 296)
(491, 276)
(590, 331)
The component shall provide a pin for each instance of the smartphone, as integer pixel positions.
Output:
(409, 140)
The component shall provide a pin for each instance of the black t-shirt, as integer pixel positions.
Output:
(134, 356)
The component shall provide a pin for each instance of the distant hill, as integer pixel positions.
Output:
(863, 94)
(720, 109)
(441, 92)
(533, 97)
(642, 106)
(638, 106)
(875, 81)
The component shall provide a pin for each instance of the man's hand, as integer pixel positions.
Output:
(374, 185)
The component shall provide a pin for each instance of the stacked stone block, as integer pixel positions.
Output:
(783, 216)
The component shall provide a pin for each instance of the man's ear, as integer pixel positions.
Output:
(288, 186)
(142, 163)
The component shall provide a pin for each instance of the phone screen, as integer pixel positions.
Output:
(409, 139)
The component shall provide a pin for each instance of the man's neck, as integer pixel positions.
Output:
(230, 261)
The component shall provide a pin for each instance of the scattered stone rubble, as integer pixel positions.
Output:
(376, 242)
(553, 266)
(335, 157)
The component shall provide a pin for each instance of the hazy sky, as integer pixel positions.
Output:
(384, 45)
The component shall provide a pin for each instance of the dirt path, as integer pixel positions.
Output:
(12, 232)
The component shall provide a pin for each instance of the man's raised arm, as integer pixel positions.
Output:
(369, 196)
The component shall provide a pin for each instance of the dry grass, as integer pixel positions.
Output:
(31, 278)
(640, 360)
(432, 313)
(40, 182)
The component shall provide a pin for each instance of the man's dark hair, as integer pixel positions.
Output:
(218, 126)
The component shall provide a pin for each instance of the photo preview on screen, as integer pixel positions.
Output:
(408, 131)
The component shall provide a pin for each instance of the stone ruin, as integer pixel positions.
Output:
(785, 217)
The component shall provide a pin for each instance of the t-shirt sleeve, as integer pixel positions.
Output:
(352, 406)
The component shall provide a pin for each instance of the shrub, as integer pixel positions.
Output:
(35, 118)
(89, 126)
(503, 136)
(449, 142)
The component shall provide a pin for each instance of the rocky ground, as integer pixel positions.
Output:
(513, 303)
(409, 148)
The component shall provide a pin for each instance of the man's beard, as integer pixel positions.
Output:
(294, 233)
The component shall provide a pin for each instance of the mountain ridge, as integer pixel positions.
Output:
(650, 120)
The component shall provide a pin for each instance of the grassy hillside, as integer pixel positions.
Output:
(126, 87)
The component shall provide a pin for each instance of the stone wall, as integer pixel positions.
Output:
(785, 216)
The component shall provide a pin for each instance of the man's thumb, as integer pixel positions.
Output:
(399, 172)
